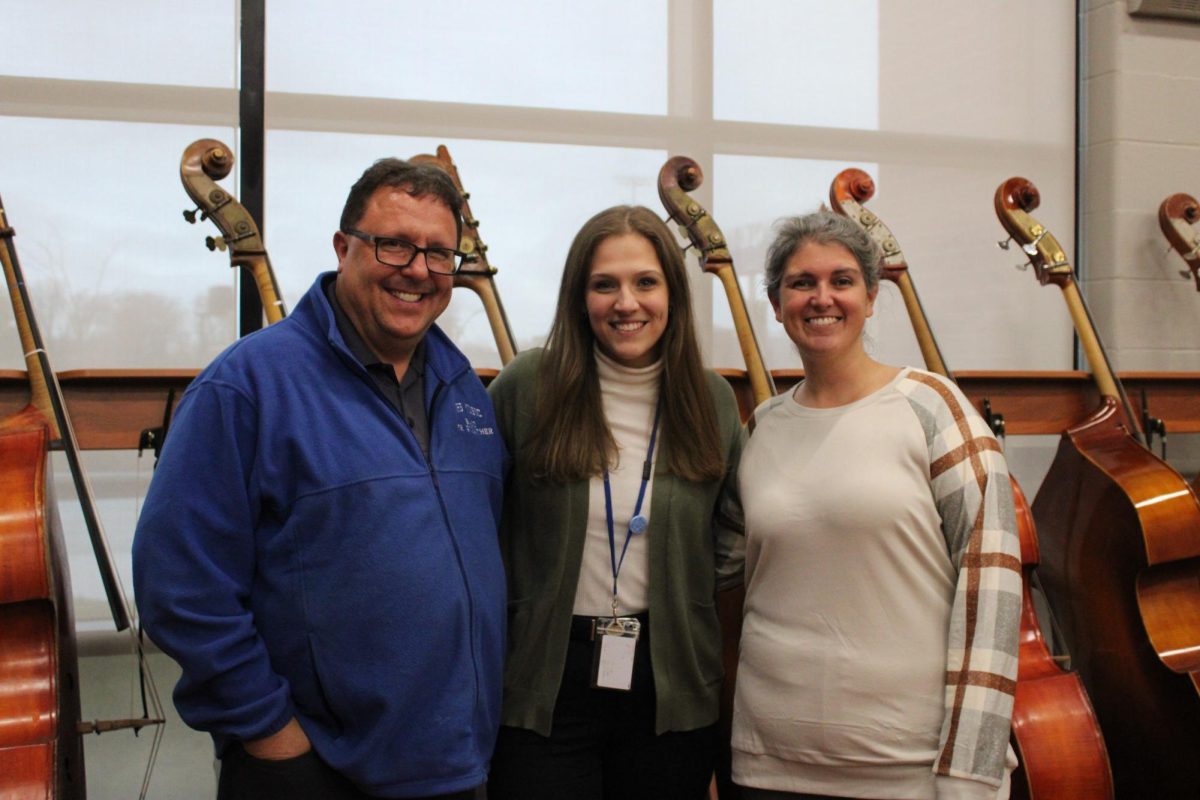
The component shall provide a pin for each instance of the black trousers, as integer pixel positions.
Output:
(769, 794)
(602, 744)
(305, 777)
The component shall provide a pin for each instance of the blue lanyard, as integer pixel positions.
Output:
(638, 523)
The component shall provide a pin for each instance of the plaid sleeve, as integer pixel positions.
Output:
(973, 493)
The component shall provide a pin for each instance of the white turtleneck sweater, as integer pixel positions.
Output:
(628, 396)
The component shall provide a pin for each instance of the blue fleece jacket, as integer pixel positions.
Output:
(299, 556)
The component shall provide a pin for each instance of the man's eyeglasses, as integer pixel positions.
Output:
(400, 253)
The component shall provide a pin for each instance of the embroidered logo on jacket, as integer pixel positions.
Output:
(471, 416)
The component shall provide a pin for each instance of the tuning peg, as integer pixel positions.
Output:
(1185, 273)
(995, 421)
(1004, 245)
(217, 243)
(190, 216)
(1023, 266)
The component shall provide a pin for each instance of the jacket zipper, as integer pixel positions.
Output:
(437, 490)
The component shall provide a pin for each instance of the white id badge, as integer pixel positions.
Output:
(612, 662)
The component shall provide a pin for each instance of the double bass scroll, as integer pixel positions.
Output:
(677, 177)
(849, 190)
(204, 162)
(1176, 216)
(476, 273)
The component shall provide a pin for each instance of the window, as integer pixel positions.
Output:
(135, 41)
(542, 53)
(797, 63)
(552, 112)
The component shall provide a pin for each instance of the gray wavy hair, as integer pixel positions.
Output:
(821, 227)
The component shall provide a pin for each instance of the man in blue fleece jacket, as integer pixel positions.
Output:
(318, 546)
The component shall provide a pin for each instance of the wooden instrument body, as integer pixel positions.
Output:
(1060, 748)
(1102, 493)
(41, 751)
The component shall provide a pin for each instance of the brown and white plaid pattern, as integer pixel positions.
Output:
(970, 484)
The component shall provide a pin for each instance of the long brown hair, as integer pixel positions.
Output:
(571, 440)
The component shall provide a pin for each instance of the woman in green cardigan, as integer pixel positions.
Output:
(619, 526)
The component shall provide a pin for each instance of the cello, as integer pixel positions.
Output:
(475, 273)
(1176, 215)
(1054, 729)
(204, 162)
(41, 749)
(1120, 544)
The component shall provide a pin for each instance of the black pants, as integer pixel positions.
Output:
(305, 777)
(768, 794)
(602, 744)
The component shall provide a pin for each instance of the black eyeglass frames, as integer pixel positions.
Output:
(401, 253)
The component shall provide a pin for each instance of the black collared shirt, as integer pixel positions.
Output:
(407, 395)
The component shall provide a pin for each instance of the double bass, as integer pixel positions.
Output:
(677, 177)
(1058, 740)
(41, 749)
(475, 273)
(1120, 546)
